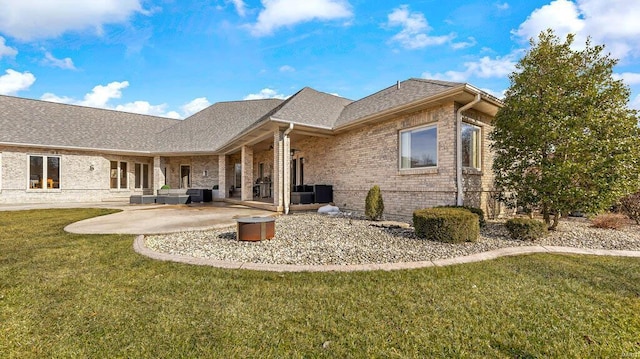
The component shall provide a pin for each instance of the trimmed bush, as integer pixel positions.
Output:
(630, 206)
(609, 221)
(166, 186)
(526, 229)
(373, 204)
(451, 225)
(475, 210)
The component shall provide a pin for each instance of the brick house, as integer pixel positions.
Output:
(402, 138)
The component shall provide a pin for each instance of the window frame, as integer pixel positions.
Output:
(477, 150)
(45, 173)
(429, 126)
(141, 176)
(118, 176)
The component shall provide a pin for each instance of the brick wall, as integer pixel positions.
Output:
(356, 160)
(204, 170)
(78, 182)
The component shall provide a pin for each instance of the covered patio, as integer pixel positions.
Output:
(265, 169)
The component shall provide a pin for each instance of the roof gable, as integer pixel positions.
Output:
(214, 126)
(311, 107)
(394, 96)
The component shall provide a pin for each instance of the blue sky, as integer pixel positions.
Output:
(172, 58)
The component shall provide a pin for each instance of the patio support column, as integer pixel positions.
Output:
(223, 189)
(278, 200)
(247, 173)
(158, 175)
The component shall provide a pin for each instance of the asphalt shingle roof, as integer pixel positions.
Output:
(311, 107)
(51, 124)
(37, 122)
(391, 97)
(214, 126)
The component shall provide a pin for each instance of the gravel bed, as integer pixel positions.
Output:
(312, 239)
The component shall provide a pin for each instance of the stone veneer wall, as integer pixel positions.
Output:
(78, 183)
(356, 160)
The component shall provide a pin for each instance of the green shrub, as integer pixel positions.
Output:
(373, 205)
(166, 186)
(475, 210)
(451, 225)
(215, 186)
(526, 229)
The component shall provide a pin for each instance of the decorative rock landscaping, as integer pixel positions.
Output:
(312, 239)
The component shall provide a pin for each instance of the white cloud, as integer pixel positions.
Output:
(264, 94)
(6, 50)
(635, 104)
(240, 7)
(630, 78)
(100, 97)
(497, 94)
(195, 105)
(610, 22)
(287, 68)
(13, 81)
(464, 44)
(561, 15)
(415, 29)
(48, 96)
(281, 13)
(145, 108)
(65, 63)
(502, 6)
(485, 67)
(37, 19)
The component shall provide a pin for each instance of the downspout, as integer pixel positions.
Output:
(459, 196)
(286, 180)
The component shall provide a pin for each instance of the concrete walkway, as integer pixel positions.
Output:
(140, 247)
(156, 219)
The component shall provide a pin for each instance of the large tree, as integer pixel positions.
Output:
(565, 139)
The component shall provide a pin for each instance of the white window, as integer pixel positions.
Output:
(419, 147)
(470, 146)
(44, 172)
(119, 178)
(142, 175)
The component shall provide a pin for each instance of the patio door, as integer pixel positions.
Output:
(297, 171)
(237, 182)
(185, 176)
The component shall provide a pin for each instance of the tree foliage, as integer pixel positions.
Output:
(565, 139)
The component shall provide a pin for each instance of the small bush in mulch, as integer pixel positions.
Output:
(526, 229)
(475, 210)
(451, 225)
(609, 221)
(630, 205)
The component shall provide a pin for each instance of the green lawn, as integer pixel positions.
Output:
(65, 295)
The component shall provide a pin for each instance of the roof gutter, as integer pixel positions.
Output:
(76, 148)
(460, 194)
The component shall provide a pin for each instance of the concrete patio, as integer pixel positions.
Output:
(152, 219)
